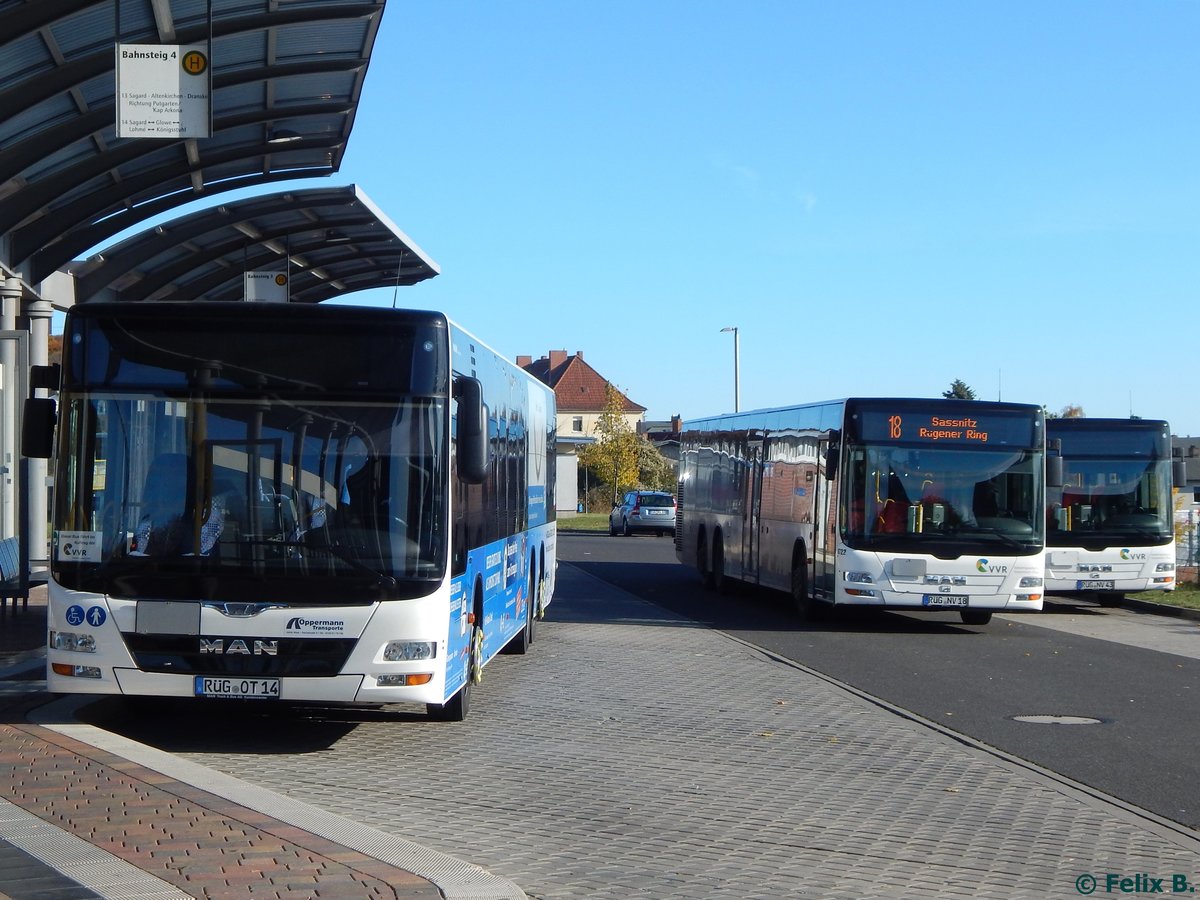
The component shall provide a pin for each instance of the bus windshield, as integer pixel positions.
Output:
(251, 498)
(1107, 499)
(942, 501)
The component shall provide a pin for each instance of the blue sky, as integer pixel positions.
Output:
(882, 196)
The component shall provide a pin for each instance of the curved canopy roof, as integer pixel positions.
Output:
(287, 77)
(335, 239)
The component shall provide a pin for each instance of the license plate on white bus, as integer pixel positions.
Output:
(1095, 585)
(946, 600)
(237, 688)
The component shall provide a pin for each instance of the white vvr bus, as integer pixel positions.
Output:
(1110, 525)
(889, 503)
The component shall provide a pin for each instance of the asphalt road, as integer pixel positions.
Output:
(973, 680)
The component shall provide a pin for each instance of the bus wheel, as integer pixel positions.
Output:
(475, 673)
(806, 606)
(456, 708)
(535, 602)
(975, 616)
(719, 583)
(702, 563)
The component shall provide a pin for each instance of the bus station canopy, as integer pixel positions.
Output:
(286, 81)
(329, 241)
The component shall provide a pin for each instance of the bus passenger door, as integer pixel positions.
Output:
(824, 543)
(750, 535)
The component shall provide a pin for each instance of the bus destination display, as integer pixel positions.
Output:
(912, 426)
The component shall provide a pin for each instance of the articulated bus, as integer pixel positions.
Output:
(285, 502)
(887, 503)
(1110, 526)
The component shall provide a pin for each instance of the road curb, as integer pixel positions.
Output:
(1161, 609)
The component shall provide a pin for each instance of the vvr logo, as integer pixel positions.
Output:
(987, 568)
(1125, 554)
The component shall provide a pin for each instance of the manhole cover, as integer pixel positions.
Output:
(1059, 720)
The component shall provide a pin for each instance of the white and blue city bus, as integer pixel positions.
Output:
(1110, 527)
(292, 502)
(870, 502)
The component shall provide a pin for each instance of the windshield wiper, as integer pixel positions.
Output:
(382, 579)
(995, 532)
(1143, 530)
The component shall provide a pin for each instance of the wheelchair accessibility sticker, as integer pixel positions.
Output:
(95, 616)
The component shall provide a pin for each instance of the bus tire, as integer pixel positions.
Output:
(808, 608)
(453, 710)
(702, 561)
(975, 616)
(536, 586)
(719, 582)
(540, 607)
(456, 708)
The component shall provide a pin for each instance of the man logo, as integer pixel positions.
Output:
(238, 647)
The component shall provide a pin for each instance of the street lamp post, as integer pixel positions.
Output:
(737, 391)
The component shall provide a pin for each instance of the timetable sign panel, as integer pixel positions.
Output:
(163, 91)
(268, 286)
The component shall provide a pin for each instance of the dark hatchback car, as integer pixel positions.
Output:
(643, 511)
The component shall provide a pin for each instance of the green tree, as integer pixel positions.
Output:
(616, 455)
(655, 471)
(959, 390)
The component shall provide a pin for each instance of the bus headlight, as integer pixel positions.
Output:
(860, 577)
(67, 640)
(1165, 567)
(1030, 581)
(405, 651)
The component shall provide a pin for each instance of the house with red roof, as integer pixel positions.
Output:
(579, 392)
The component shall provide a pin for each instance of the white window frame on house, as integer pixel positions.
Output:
(577, 424)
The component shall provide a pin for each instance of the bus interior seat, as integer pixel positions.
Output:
(235, 509)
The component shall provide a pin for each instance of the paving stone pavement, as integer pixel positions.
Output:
(80, 823)
(634, 754)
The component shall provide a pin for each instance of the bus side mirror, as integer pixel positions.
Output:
(37, 428)
(1054, 471)
(472, 448)
(1179, 472)
(831, 462)
(46, 377)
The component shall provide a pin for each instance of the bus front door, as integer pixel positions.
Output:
(824, 543)
(753, 517)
